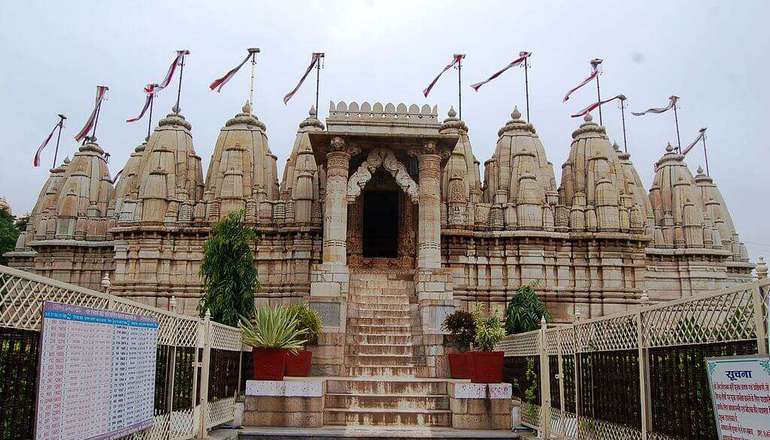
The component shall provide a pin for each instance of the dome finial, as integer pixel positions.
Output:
(246, 108)
(699, 170)
(516, 114)
(669, 148)
(452, 113)
(588, 117)
(312, 113)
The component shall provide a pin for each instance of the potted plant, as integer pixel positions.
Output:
(487, 364)
(298, 364)
(271, 332)
(462, 330)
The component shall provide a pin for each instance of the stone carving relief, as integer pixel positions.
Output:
(380, 157)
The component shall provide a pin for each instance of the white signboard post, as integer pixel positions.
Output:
(740, 393)
(96, 376)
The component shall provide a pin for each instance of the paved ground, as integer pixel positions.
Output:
(361, 432)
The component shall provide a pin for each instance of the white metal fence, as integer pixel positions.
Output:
(184, 406)
(638, 374)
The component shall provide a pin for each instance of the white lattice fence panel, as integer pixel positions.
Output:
(522, 344)
(612, 333)
(188, 332)
(552, 341)
(225, 338)
(530, 414)
(721, 317)
(221, 411)
(22, 295)
(182, 425)
(592, 429)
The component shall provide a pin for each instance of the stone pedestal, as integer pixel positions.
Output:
(480, 406)
(290, 403)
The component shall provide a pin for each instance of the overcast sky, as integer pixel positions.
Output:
(713, 54)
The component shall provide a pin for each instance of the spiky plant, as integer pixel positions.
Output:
(228, 271)
(273, 327)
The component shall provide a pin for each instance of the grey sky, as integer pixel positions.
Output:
(713, 54)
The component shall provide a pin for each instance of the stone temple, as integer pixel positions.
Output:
(382, 218)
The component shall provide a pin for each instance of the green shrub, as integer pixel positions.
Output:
(525, 311)
(307, 319)
(462, 329)
(489, 330)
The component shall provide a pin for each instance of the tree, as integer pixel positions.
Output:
(228, 271)
(9, 233)
(524, 311)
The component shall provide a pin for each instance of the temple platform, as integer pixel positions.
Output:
(363, 432)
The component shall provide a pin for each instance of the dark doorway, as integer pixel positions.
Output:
(380, 224)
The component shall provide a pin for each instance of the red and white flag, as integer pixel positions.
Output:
(101, 91)
(180, 54)
(36, 160)
(456, 59)
(594, 73)
(522, 56)
(596, 105)
(220, 82)
(150, 90)
(672, 100)
(701, 135)
(315, 59)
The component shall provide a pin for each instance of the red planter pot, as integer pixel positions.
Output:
(460, 365)
(269, 363)
(487, 366)
(298, 365)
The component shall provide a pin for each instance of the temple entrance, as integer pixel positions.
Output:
(380, 224)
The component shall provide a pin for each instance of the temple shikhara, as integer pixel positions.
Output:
(382, 212)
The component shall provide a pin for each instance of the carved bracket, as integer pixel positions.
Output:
(380, 157)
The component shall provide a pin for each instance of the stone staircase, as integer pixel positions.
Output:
(382, 389)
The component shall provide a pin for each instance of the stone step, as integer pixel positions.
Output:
(369, 313)
(371, 386)
(378, 338)
(381, 320)
(379, 360)
(370, 433)
(386, 349)
(380, 307)
(381, 291)
(386, 401)
(380, 299)
(371, 329)
(389, 371)
(381, 417)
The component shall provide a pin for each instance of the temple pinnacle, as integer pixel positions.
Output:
(312, 111)
(588, 117)
(246, 108)
(516, 114)
(452, 113)
(669, 148)
(699, 170)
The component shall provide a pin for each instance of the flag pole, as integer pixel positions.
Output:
(595, 64)
(179, 86)
(149, 120)
(676, 121)
(318, 79)
(705, 152)
(526, 85)
(96, 122)
(58, 137)
(623, 119)
(460, 83)
(253, 51)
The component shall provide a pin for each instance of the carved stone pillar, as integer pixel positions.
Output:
(336, 206)
(429, 232)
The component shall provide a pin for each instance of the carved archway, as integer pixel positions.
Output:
(381, 157)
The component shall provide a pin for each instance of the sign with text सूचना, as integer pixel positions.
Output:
(96, 375)
(740, 394)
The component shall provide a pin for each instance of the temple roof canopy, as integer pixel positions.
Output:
(444, 143)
